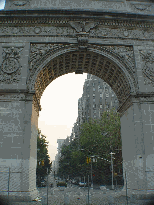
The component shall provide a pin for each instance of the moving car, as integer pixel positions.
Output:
(82, 184)
(61, 184)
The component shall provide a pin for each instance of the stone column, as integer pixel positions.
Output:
(18, 146)
(137, 133)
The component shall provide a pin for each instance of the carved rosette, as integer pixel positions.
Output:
(10, 69)
(148, 69)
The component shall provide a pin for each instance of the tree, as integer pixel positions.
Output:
(42, 155)
(97, 137)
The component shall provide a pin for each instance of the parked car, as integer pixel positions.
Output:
(75, 182)
(82, 184)
(103, 188)
(43, 183)
(61, 184)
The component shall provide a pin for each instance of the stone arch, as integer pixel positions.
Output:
(103, 63)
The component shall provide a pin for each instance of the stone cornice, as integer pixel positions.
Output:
(76, 12)
(16, 97)
(139, 97)
(114, 19)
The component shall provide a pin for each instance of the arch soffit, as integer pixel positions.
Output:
(70, 49)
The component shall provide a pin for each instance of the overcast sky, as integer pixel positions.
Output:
(60, 108)
(59, 104)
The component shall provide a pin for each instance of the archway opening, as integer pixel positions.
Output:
(79, 62)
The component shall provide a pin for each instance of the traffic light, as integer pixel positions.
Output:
(42, 162)
(115, 174)
(88, 160)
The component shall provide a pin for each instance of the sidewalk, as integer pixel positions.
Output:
(79, 198)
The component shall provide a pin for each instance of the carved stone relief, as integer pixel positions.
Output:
(37, 30)
(40, 52)
(10, 69)
(20, 3)
(125, 54)
(148, 69)
(83, 26)
(82, 42)
(141, 7)
(93, 29)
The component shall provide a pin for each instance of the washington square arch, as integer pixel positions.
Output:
(42, 40)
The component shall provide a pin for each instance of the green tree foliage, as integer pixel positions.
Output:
(97, 138)
(42, 154)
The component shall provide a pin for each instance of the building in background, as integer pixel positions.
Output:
(97, 97)
(58, 155)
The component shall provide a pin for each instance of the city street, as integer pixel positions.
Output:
(75, 195)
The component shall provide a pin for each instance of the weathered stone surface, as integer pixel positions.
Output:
(37, 46)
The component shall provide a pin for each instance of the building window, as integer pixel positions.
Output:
(107, 106)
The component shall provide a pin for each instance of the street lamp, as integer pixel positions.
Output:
(112, 169)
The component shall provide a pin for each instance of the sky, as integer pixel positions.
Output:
(59, 112)
(59, 104)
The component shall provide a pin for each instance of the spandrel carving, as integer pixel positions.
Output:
(10, 69)
(148, 69)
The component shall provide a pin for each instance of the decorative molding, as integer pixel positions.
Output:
(83, 26)
(20, 3)
(15, 97)
(142, 7)
(82, 40)
(135, 98)
(123, 54)
(77, 24)
(10, 69)
(100, 32)
(148, 68)
(40, 54)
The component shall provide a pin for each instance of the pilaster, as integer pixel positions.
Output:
(18, 143)
(137, 144)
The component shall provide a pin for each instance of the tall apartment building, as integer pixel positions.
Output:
(97, 97)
